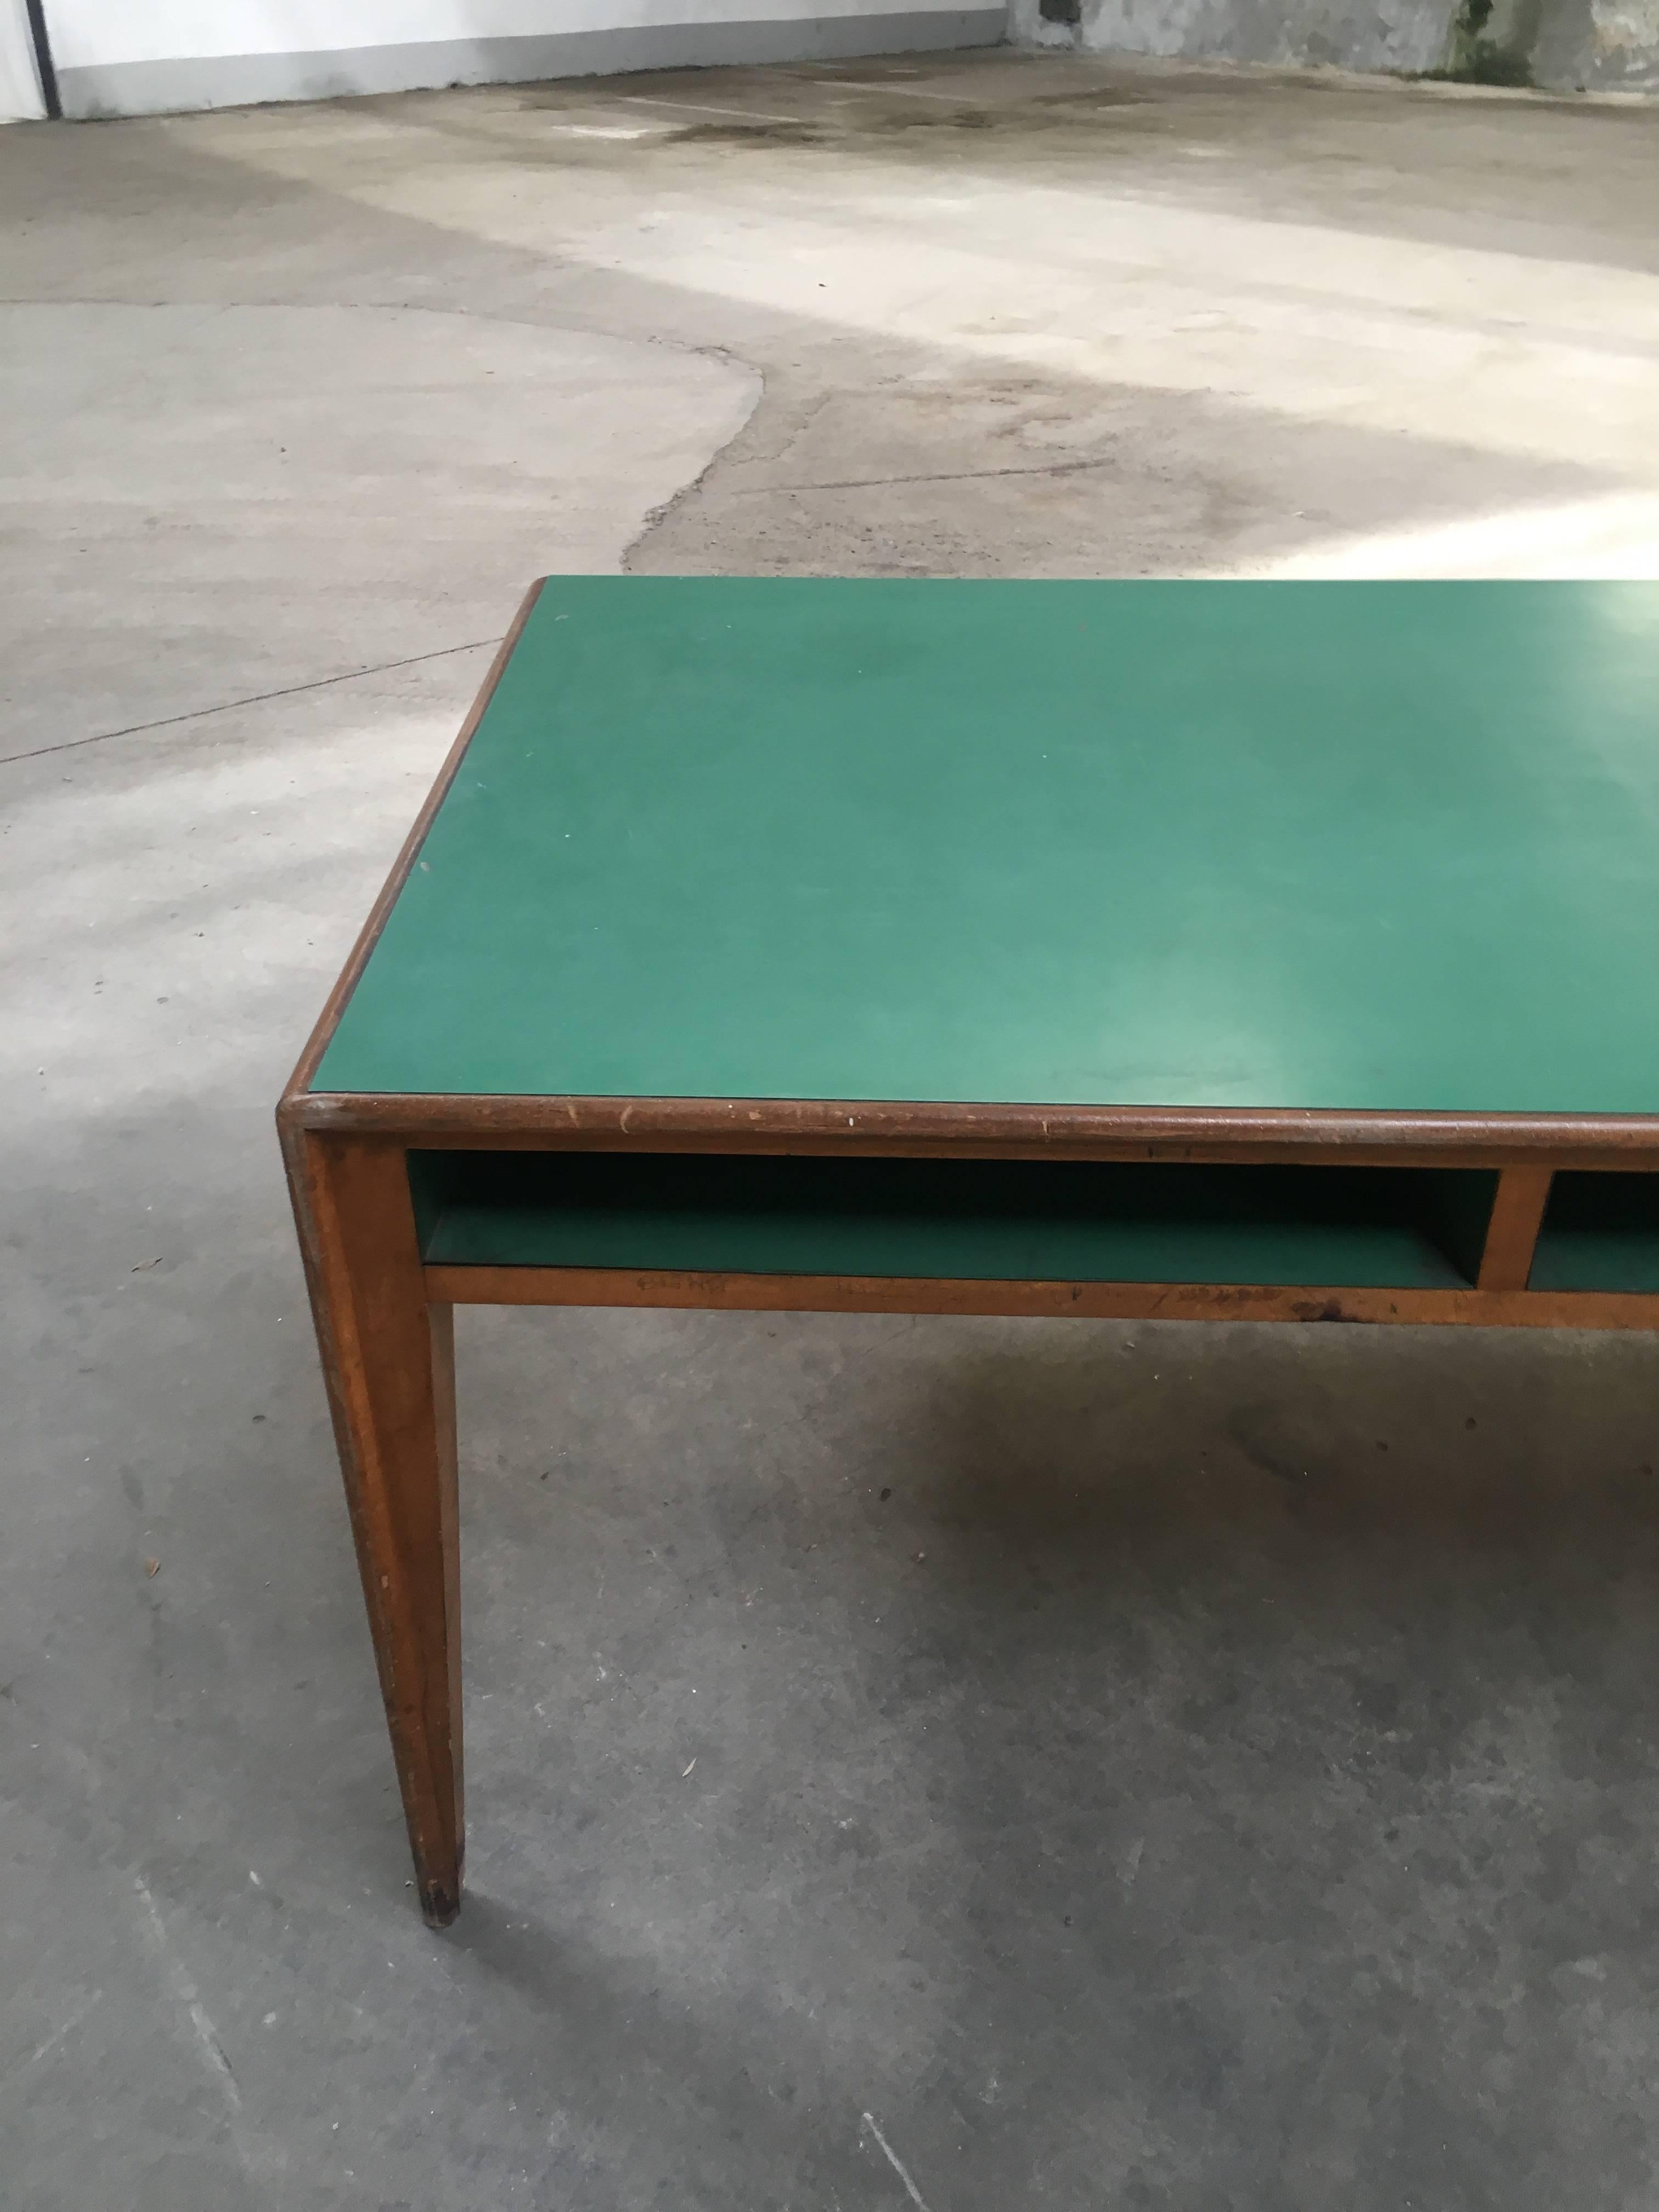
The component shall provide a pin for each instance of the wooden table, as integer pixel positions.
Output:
(1215, 951)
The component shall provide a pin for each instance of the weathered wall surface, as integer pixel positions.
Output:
(1362, 34)
(1605, 46)
(1597, 45)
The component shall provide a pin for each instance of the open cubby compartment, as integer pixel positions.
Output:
(1601, 1232)
(1008, 1220)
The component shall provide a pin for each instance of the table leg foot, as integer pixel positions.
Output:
(440, 1902)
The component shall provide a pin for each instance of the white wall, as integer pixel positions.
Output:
(86, 31)
(127, 57)
(20, 81)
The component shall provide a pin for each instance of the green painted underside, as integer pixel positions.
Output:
(995, 1220)
(1325, 845)
(1601, 1233)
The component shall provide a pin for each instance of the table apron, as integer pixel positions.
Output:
(897, 1294)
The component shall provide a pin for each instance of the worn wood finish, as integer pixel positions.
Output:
(895, 1294)
(903, 1128)
(1518, 1214)
(388, 1356)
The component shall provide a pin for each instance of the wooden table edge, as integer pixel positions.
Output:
(987, 1130)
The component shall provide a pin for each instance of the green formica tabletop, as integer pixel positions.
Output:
(1385, 845)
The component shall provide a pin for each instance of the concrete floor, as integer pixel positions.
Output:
(1133, 1768)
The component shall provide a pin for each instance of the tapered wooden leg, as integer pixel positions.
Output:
(389, 1358)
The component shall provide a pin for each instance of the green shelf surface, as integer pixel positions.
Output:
(1601, 1232)
(1353, 846)
(994, 1220)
